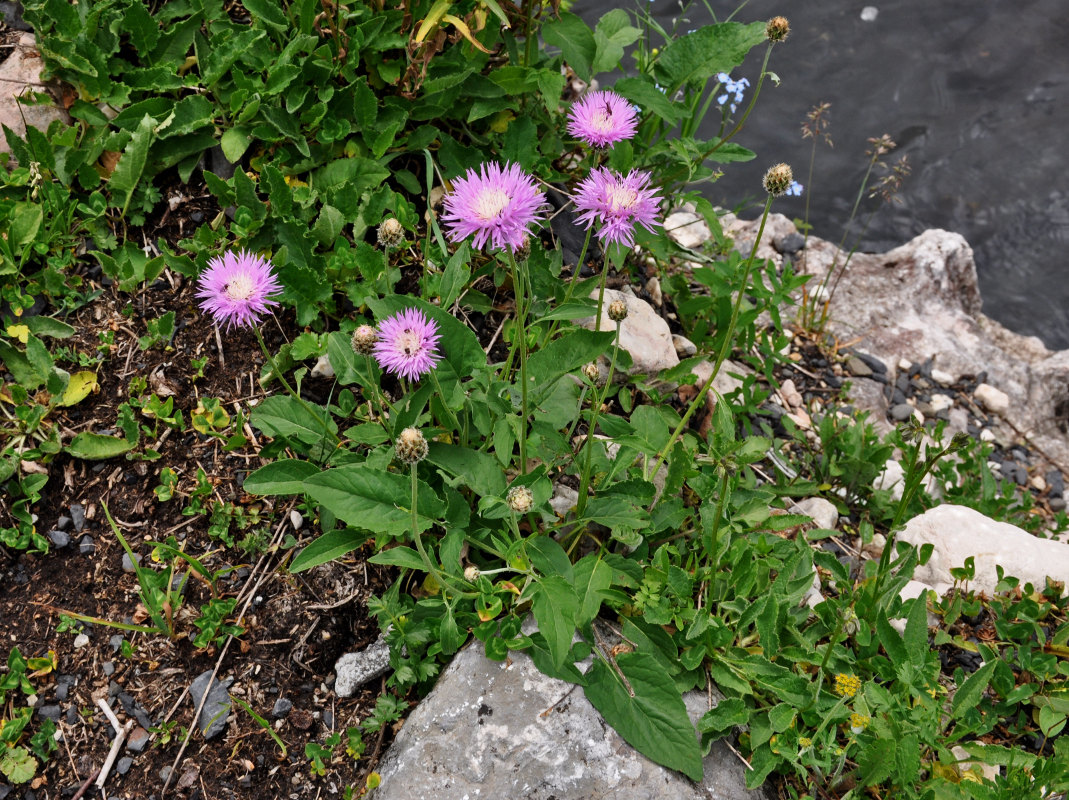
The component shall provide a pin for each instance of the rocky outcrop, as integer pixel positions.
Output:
(21, 73)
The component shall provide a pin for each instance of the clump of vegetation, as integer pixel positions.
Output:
(431, 202)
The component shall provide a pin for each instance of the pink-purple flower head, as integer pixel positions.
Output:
(237, 287)
(619, 202)
(408, 344)
(602, 118)
(495, 204)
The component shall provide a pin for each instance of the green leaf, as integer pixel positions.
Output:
(26, 219)
(480, 471)
(726, 715)
(564, 355)
(268, 13)
(554, 605)
(970, 692)
(575, 40)
(17, 764)
(891, 641)
(374, 500)
(400, 556)
(283, 415)
(592, 578)
(549, 557)
(97, 447)
(234, 142)
(916, 635)
(456, 275)
(613, 33)
(348, 366)
(654, 719)
(131, 164)
(285, 476)
(876, 761)
(697, 56)
(329, 546)
(47, 326)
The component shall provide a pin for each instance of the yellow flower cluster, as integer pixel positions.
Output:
(847, 685)
(858, 722)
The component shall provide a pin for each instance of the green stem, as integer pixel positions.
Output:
(520, 336)
(725, 346)
(715, 534)
(452, 417)
(286, 384)
(437, 574)
(749, 108)
(588, 443)
(572, 283)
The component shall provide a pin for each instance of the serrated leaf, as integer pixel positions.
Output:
(575, 40)
(554, 604)
(564, 355)
(970, 692)
(368, 498)
(268, 13)
(654, 719)
(697, 56)
(876, 761)
(612, 34)
(282, 415)
(916, 634)
(480, 471)
(17, 764)
(128, 171)
(328, 547)
(592, 579)
(399, 556)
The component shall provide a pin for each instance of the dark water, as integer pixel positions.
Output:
(976, 92)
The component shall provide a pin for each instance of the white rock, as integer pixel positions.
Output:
(958, 533)
(869, 13)
(987, 435)
(823, 512)
(653, 287)
(296, 520)
(966, 763)
(21, 71)
(688, 229)
(323, 368)
(725, 381)
(909, 591)
(994, 400)
(685, 348)
(791, 394)
(942, 377)
(643, 334)
(356, 669)
(80, 641)
(940, 402)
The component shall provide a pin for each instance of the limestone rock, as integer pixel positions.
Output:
(643, 334)
(958, 532)
(356, 669)
(823, 512)
(21, 73)
(492, 729)
(687, 228)
(994, 400)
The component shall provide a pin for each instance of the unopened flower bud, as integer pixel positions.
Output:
(592, 372)
(520, 499)
(777, 29)
(411, 446)
(364, 339)
(523, 252)
(778, 179)
(617, 310)
(471, 573)
(390, 233)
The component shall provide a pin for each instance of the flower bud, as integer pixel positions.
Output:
(520, 499)
(523, 252)
(778, 179)
(777, 29)
(390, 233)
(471, 573)
(592, 372)
(364, 339)
(411, 446)
(617, 310)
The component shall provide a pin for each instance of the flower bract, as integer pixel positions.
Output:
(618, 201)
(602, 118)
(495, 204)
(407, 344)
(237, 287)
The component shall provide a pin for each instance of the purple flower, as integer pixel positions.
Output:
(408, 344)
(602, 118)
(496, 204)
(618, 201)
(237, 287)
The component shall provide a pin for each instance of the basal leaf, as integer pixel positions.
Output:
(554, 604)
(97, 446)
(374, 500)
(480, 471)
(282, 415)
(131, 164)
(654, 719)
(328, 547)
(282, 477)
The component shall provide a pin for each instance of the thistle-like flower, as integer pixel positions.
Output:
(390, 233)
(619, 202)
(495, 204)
(617, 310)
(520, 499)
(777, 29)
(602, 118)
(364, 339)
(411, 446)
(778, 179)
(407, 344)
(236, 288)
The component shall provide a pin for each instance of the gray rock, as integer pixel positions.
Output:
(109, 668)
(11, 13)
(138, 740)
(212, 719)
(78, 516)
(86, 545)
(115, 642)
(52, 712)
(789, 243)
(858, 368)
(63, 523)
(356, 669)
(483, 732)
(59, 538)
(122, 766)
(281, 708)
(21, 71)
(901, 412)
(128, 564)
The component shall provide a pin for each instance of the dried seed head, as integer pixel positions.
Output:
(617, 310)
(520, 499)
(778, 179)
(471, 573)
(777, 29)
(592, 372)
(411, 446)
(390, 233)
(364, 339)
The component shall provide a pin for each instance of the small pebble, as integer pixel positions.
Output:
(78, 516)
(80, 641)
(1057, 503)
(994, 400)
(858, 368)
(902, 412)
(282, 707)
(138, 740)
(129, 565)
(869, 13)
(86, 545)
(108, 667)
(63, 523)
(122, 766)
(59, 538)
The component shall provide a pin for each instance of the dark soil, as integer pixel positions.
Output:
(296, 626)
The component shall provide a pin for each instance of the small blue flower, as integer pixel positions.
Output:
(735, 90)
(795, 189)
